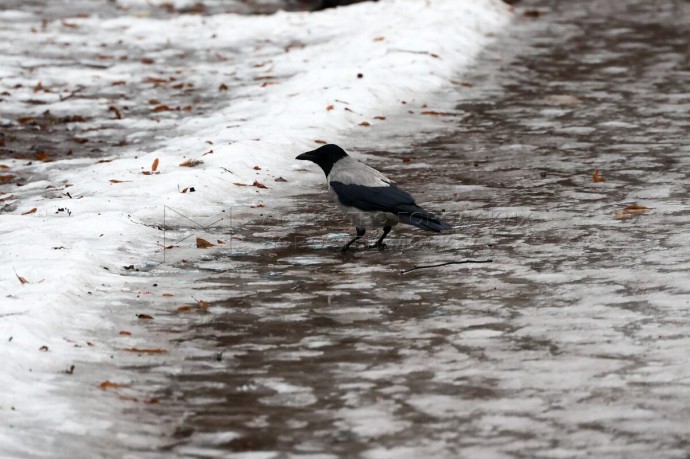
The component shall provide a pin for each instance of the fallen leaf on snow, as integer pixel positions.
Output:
(364, 123)
(597, 177)
(118, 115)
(191, 163)
(280, 179)
(43, 348)
(162, 108)
(145, 351)
(330, 107)
(154, 166)
(259, 184)
(125, 333)
(111, 385)
(167, 295)
(22, 280)
(6, 178)
(30, 211)
(435, 113)
(240, 184)
(119, 181)
(203, 243)
(381, 118)
(379, 38)
(144, 317)
(631, 211)
(2, 166)
(320, 142)
(185, 308)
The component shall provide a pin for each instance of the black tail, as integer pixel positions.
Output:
(415, 215)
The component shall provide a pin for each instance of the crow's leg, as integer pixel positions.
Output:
(379, 244)
(360, 233)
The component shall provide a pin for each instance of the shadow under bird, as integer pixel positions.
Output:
(368, 197)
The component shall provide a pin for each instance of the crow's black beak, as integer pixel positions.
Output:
(308, 156)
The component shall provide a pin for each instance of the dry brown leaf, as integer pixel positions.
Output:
(167, 295)
(104, 161)
(119, 83)
(154, 166)
(22, 280)
(42, 156)
(329, 108)
(6, 178)
(184, 190)
(320, 142)
(147, 61)
(203, 243)
(30, 211)
(119, 181)
(2, 166)
(118, 115)
(364, 123)
(257, 168)
(280, 179)
(125, 333)
(406, 159)
(191, 163)
(380, 118)
(144, 317)
(435, 113)
(632, 210)
(154, 80)
(597, 177)
(258, 184)
(268, 83)
(111, 385)
(223, 87)
(145, 351)
(43, 348)
(240, 184)
(185, 308)
(162, 108)
(379, 38)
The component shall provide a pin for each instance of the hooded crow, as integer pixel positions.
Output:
(369, 199)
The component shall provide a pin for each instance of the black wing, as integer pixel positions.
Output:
(374, 199)
(388, 199)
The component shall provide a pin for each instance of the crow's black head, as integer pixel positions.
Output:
(325, 156)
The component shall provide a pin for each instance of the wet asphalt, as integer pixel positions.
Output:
(571, 343)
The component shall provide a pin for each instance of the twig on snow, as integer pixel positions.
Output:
(446, 263)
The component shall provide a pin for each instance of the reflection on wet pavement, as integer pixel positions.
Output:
(571, 343)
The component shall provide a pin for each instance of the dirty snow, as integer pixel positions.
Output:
(241, 94)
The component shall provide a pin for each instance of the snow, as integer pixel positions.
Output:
(406, 50)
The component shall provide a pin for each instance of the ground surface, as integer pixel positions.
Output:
(571, 343)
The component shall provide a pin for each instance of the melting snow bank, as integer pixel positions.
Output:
(269, 86)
